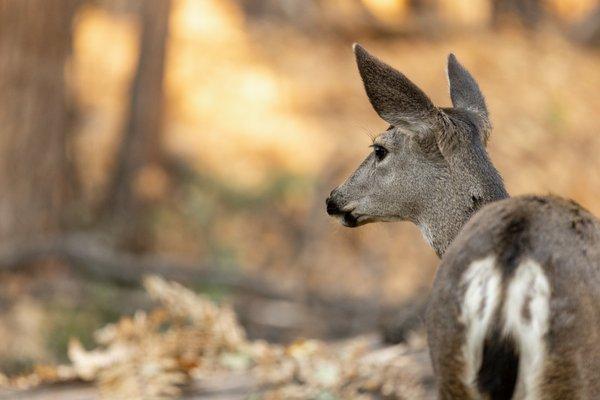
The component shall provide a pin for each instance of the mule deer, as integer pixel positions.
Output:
(514, 311)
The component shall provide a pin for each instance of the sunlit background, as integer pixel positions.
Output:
(198, 139)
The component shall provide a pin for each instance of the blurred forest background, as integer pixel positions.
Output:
(198, 140)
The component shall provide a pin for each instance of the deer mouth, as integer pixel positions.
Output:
(346, 217)
(349, 220)
(345, 214)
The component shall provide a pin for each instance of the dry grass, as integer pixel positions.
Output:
(188, 338)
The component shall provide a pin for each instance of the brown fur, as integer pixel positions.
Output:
(572, 368)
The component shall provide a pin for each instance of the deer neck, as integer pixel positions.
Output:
(440, 230)
(442, 221)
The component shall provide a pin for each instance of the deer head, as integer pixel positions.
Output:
(430, 166)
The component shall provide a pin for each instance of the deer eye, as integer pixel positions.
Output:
(380, 152)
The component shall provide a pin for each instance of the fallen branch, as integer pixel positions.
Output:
(94, 258)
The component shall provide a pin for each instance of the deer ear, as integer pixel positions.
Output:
(466, 95)
(394, 97)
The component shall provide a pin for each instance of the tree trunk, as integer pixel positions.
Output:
(35, 42)
(588, 30)
(528, 12)
(140, 147)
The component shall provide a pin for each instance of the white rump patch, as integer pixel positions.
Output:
(526, 316)
(523, 309)
(482, 282)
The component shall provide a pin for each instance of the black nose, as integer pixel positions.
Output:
(332, 208)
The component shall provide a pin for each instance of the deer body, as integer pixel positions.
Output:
(515, 307)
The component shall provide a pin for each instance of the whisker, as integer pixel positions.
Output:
(369, 132)
(372, 134)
